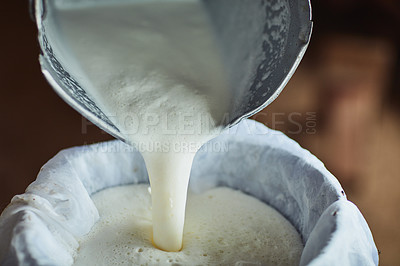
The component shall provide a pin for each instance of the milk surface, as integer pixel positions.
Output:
(222, 227)
(154, 68)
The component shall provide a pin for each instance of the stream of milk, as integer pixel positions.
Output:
(155, 69)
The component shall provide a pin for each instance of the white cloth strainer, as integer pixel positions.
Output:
(40, 226)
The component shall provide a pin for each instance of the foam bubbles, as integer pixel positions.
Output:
(223, 226)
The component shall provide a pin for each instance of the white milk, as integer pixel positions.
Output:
(156, 72)
(222, 227)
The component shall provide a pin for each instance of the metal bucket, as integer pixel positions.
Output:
(259, 66)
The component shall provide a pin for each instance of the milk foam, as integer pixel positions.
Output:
(222, 227)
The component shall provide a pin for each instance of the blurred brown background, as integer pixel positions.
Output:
(342, 104)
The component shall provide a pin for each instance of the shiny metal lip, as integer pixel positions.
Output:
(72, 102)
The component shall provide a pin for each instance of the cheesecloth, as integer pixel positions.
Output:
(40, 226)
